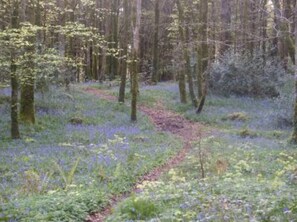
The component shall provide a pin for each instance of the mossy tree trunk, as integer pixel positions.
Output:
(125, 52)
(135, 58)
(188, 67)
(203, 55)
(15, 133)
(294, 136)
(184, 37)
(155, 75)
(182, 86)
(27, 109)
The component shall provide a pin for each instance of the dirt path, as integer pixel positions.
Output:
(164, 120)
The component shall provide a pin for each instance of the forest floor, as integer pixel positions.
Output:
(240, 144)
(165, 120)
(233, 162)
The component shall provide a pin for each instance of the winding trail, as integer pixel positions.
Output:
(164, 120)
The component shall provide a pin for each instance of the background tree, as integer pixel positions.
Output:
(202, 75)
(155, 74)
(124, 45)
(294, 136)
(15, 134)
(135, 58)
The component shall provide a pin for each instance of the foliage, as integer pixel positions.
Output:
(248, 178)
(247, 75)
(102, 156)
(256, 184)
(73, 205)
(67, 177)
(139, 209)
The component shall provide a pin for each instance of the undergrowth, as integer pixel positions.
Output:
(243, 182)
(250, 168)
(62, 170)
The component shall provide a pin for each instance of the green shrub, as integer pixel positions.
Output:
(246, 75)
(73, 205)
(244, 133)
(139, 208)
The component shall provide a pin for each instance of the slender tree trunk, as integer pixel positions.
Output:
(188, 68)
(204, 55)
(182, 86)
(155, 75)
(125, 52)
(101, 57)
(281, 32)
(288, 38)
(182, 79)
(27, 109)
(294, 136)
(113, 38)
(252, 26)
(226, 36)
(213, 30)
(15, 133)
(263, 18)
(184, 37)
(135, 63)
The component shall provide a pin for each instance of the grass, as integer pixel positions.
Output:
(257, 183)
(250, 167)
(61, 171)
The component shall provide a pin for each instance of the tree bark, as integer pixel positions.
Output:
(281, 30)
(203, 55)
(294, 136)
(27, 109)
(184, 37)
(125, 52)
(226, 37)
(135, 62)
(182, 87)
(155, 75)
(15, 133)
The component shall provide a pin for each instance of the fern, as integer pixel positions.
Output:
(67, 176)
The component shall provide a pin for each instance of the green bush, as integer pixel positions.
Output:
(139, 209)
(247, 75)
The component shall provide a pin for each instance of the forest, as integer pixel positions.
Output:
(148, 110)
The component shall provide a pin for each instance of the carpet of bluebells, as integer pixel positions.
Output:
(62, 171)
(250, 166)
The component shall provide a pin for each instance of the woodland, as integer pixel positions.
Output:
(148, 110)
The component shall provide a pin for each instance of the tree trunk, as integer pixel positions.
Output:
(135, 63)
(188, 68)
(184, 37)
(294, 136)
(281, 30)
(125, 52)
(182, 86)
(15, 133)
(27, 110)
(155, 75)
(226, 37)
(204, 55)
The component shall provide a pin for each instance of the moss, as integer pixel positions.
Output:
(244, 133)
(237, 116)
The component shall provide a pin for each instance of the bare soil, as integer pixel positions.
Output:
(164, 120)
